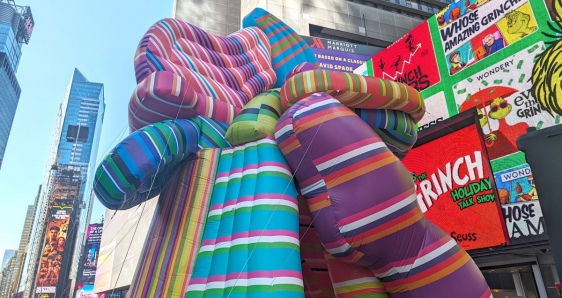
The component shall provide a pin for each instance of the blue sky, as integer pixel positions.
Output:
(97, 37)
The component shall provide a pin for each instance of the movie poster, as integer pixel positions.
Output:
(90, 254)
(65, 192)
(481, 30)
(452, 178)
(409, 60)
(520, 204)
(502, 94)
(54, 250)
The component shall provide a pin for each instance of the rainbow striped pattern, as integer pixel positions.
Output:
(250, 246)
(168, 257)
(203, 71)
(257, 119)
(137, 168)
(354, 91)
(288, 49)
(358, 217)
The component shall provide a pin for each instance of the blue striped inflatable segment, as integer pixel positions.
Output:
(140, 165)
(250, 245)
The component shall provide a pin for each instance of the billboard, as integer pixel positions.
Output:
(409, 60)
(85, 291)
(521, 208)
(501, 57)
(55, 253)
(87, 274)
(339, 55)
(453, 180)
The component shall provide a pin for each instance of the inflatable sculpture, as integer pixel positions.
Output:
(275, 178)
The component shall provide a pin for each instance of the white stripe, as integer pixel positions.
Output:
(339, 249)
(376, 216)
(249, 240)
(252, 172)
(355, 281)
(314, 106)
(421, 260)
(241, 282)
(316, 185)
(349, 155)
(283, 130)
(247, 145)
(259, 202)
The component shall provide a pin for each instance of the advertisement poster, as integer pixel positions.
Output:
(339, 55)
(453, 181)
(436, 111)
(65, 192)
(502, 57)
(502, 92)
(85, 291)
(409, 60)
(484, 30)
(53, 251)
(90, 254)
(520, 204)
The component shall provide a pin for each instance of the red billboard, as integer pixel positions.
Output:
(409, 60)
(454, 185)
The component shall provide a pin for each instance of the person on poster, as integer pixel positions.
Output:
(456, 63)
(60, 245)
(54, 234)
(492, 44)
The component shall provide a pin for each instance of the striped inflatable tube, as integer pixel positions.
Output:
(358, 217)
(168, 256)
(288, 49)
(138, 167)
(250, 246)
(232, 69)
(354, 91)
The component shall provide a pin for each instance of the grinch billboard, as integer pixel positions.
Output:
(503, 57)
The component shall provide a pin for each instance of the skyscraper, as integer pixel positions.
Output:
(64, 204)
(16, 25)
(8, 254)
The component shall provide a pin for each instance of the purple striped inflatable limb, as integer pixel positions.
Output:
(232, 69)
(165, 95)
(364, 204)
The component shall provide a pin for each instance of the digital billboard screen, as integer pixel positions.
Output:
(55, 253)
(454, 185)
(90, 254)
(338, 55)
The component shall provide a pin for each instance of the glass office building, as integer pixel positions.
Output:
(16, 25)
(71, 167)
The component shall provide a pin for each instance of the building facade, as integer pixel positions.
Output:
(8, 254)
(64, 204)
(372, 22)
(16, 25)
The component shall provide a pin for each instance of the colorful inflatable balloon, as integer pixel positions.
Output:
(276, 179)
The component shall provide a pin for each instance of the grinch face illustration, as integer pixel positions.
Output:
(499, 108)
(518, 23)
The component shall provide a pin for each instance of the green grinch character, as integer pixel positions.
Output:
(499, 109)
(546, 78)
(518, 23)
